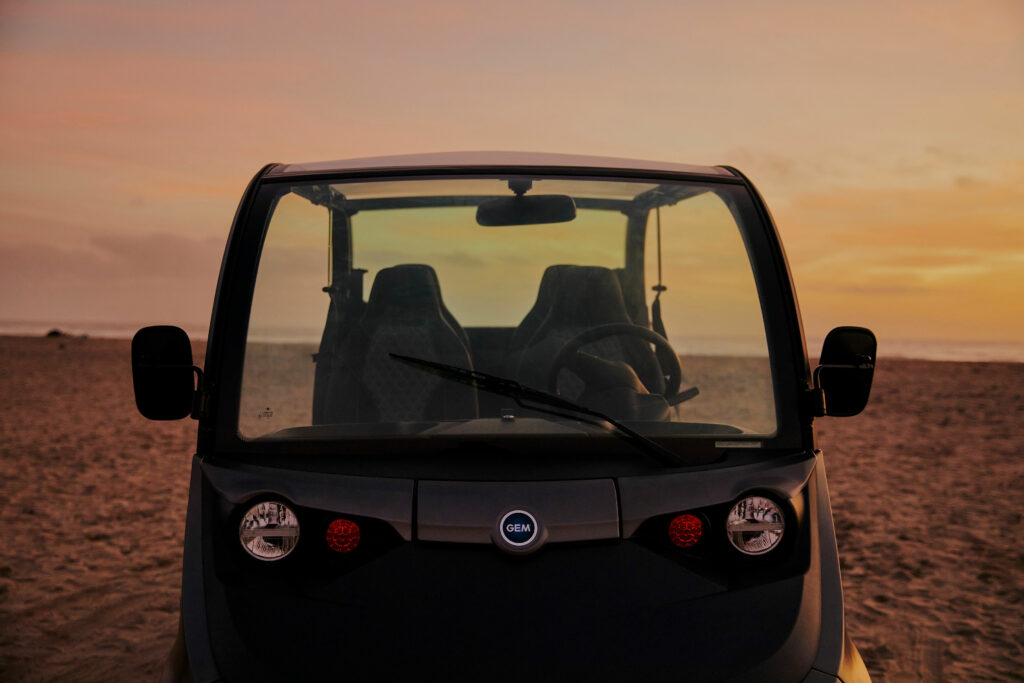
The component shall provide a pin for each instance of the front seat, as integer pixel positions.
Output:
(572, 300)
(405, 315)
(535, 317)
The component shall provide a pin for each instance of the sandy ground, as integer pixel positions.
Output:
(928, 497)
(927, 486)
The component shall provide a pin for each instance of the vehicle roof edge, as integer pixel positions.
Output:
(449, 160)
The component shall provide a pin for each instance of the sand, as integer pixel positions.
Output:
(927, 491)
(928, 497)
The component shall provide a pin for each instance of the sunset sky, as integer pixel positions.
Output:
(887, 137)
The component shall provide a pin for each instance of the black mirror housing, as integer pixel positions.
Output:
(162, 372)
(846, 370)
(531, 210)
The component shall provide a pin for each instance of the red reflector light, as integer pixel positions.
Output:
(685, 531)
(342, 535)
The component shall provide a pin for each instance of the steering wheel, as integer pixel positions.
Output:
(674, 373)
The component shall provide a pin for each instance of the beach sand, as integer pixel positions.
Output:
(927, 491)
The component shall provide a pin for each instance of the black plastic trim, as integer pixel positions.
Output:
(218, 329)
(504, 171)
(794, 321)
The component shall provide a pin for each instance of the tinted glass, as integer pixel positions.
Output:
(567, 308)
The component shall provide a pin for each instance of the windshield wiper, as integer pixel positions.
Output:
(541, 401)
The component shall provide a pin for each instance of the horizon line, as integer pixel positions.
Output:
(944, 350)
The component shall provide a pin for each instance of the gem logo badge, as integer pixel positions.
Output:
(518, 528)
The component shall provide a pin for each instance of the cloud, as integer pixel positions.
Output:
(130, 117)
(942, 216)
(156, 256)
(459, 259)
(114, 278)
(944, 260)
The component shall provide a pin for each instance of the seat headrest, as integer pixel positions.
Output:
(404, 288)
(549, 285)
(585, 295)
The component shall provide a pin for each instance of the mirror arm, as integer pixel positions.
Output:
(814, 399)
(199, 397)
(864, 363)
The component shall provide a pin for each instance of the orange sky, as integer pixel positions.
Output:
(885, 136)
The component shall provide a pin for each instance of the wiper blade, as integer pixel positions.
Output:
(540, 400)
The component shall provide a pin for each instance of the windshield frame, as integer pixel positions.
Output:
(225, 351)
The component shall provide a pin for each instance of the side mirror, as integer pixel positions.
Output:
(845, 371)
(162, 372)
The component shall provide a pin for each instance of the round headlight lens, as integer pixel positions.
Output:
(269, 530)
(755, 525)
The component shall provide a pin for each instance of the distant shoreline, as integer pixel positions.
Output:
(936, 351)
(196, 331)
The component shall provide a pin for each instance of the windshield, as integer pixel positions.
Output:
(634, 299)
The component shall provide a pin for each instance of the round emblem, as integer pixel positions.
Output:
(518, 528)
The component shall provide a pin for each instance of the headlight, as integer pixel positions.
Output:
(755, 525)
(269, 530)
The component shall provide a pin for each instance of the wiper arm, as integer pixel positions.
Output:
(542, 401)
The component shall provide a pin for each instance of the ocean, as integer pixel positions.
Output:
(921, 349)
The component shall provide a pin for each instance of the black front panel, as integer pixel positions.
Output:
(603, 611)
(398, 608)
(470, 512)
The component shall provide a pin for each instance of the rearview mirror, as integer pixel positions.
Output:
(162, 372)
(845, 370)
(526, 210)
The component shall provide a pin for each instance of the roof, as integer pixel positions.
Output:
(448, 160)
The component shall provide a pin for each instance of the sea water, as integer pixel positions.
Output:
(922, 349)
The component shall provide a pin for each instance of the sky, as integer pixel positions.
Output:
(885, 136)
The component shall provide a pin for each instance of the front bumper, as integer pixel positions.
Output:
(610, 610)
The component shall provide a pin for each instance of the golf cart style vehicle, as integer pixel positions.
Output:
(501, 416)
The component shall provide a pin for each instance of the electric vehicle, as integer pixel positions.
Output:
(507, 416)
